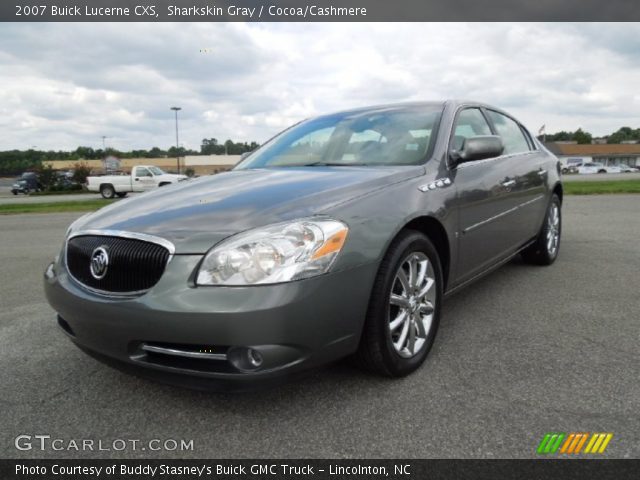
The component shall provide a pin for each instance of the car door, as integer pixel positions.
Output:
(485, 200)
(142, 179)
(529, 167)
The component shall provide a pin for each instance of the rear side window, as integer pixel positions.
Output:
(470, 123)
(527, 135)
(511, 133)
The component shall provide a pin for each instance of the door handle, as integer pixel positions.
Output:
(137, 179)
(509, 183)
(542, 172)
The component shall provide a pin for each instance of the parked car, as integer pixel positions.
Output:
(628, 169)
(26, 183)
(591, 167)
(340, 236)
(572, 165)
(64, 182)
(142, 178)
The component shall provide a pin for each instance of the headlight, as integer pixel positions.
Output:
(274, 254)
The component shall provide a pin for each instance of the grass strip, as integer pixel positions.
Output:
(54, 207)
(597, 187)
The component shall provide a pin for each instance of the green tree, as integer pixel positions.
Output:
(582, 137)
(155, 152)
(210, 146)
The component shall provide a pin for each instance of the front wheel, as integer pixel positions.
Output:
(404, 310)
(545, 249)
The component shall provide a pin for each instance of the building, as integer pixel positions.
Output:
(607, 154)
(200, 164)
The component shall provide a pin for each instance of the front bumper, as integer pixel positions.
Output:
(294, 326)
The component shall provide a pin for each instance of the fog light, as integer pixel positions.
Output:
(245, 358)
(255, 357)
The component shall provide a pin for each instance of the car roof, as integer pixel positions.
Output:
(409, 105)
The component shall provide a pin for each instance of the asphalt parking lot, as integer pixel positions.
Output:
(525, 351)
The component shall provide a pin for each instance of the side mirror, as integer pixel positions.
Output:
(478, 148)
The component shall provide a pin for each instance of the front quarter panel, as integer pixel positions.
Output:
(375, 219)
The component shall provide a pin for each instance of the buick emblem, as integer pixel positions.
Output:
(99, 263)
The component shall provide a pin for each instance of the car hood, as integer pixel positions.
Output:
(194, 215)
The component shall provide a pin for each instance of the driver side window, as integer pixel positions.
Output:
(143, 172)
(469, 123)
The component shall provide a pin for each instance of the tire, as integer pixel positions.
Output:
(381, 346)
(545, 250)
(164, 184)
(565, 171)
(107, 191)
(121, 194)
(602, 171)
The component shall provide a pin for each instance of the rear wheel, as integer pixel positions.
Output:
(545, 249)
(602, 171)
(404, 310)
(107, 191)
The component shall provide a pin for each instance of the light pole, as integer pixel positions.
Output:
(176, 109)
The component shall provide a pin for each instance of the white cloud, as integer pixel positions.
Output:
(64, 85)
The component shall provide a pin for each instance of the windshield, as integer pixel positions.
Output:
(391, 136)
(156, 171)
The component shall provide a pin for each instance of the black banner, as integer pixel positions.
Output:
(318, 469)
(316, 10)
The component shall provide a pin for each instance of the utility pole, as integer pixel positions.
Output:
(176, 109)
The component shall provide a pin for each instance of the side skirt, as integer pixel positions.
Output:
(493, 267)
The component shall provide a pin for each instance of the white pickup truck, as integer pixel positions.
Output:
(142, 178)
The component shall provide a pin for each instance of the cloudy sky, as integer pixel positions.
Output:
(64, 85)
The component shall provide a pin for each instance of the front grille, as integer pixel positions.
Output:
(133, 265)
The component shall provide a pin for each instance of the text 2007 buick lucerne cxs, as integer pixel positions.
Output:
(339, 236)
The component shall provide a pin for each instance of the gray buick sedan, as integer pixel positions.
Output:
(340, 236)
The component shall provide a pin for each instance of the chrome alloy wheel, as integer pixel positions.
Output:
(553, 230)
(412, 304)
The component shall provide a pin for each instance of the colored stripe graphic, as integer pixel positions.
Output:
(581, 443)
(550, 443)
(598, 442)
(574, 442)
